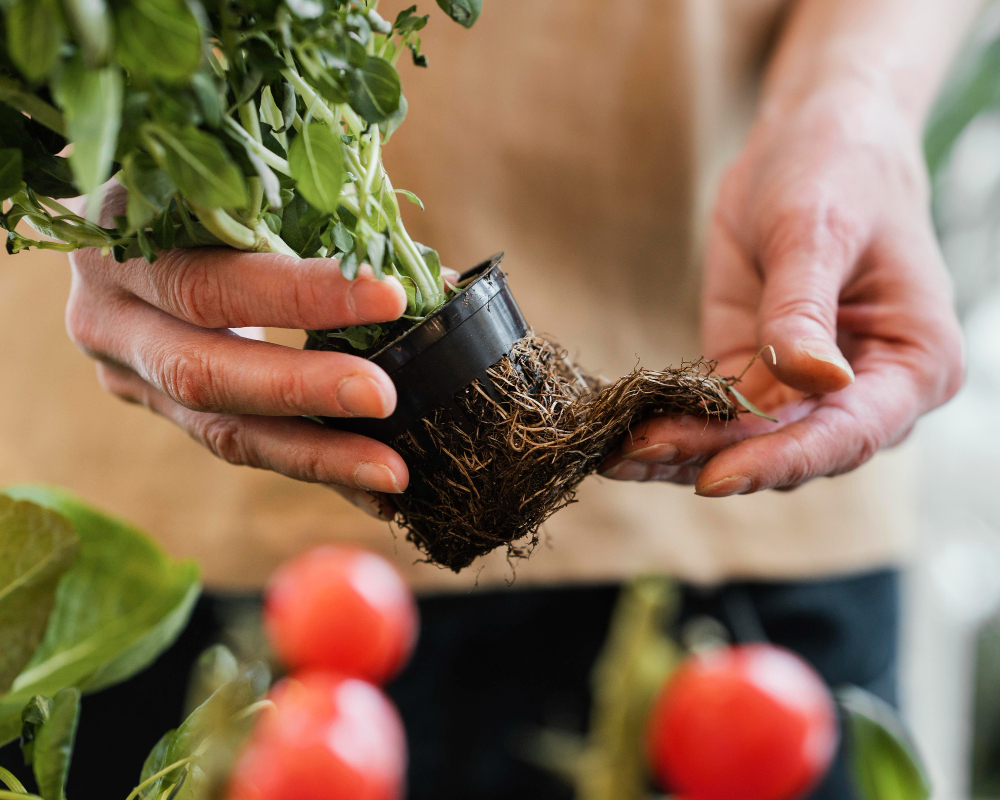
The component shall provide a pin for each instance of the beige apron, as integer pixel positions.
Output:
(583, 139)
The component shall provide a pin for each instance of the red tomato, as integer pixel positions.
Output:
(343, 609)
(753, 722)
(329, 737)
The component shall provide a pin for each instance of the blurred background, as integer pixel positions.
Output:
(951, 684)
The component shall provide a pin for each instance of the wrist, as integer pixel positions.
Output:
(849, 103)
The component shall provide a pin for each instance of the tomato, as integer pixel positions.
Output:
(329, 737)
(343, 609)
(753, 722)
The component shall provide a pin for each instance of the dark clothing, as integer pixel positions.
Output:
(491, 664)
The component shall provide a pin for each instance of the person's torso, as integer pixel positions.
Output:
(583, 139)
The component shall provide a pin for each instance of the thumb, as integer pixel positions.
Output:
(798, 318)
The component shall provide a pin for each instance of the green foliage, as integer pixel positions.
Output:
(50, 731)
(34, 35)
(883, 760)
(972, 90)
(91, 101)
(638, 657)
(120, 604)
(316, 159)
(464, 12)
(253, 123)
(36, 547)
(197, 756)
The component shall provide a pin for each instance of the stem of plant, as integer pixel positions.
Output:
(155, 777)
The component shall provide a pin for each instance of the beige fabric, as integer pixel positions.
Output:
(584, 139)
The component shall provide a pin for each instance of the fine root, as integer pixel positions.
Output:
(490, 471)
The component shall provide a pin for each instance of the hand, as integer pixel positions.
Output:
(821, 245)
(159, 333)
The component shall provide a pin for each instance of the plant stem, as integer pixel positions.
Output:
(273, 160)
(155, 777)
(412, 263)
(4, 795)
(225, 228)
(11, 781)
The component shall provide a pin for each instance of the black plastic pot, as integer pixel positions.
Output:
(434, 361)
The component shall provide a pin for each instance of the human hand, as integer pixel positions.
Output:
(821, 246)
(160, 334)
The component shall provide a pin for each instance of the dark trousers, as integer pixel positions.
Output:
(492, 664)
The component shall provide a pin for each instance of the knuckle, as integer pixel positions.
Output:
(290, 390)
(223, 435)
(812, 223)
(195, 292)
(312, 466)
(185, 373)
(812, 308)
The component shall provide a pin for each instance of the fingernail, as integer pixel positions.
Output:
(661, 453)
(376, 478)
(822, 350)
(361, 396)
(367, 298)
(627, 471)
(734, 484)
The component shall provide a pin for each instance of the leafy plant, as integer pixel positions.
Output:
(119, 605)
(257, 124)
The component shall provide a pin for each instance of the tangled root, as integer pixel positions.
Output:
(488, 473)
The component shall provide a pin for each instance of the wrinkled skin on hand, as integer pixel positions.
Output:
(160, 335)
(821, 246)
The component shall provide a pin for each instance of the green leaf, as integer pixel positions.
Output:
(36, 547)
(91, 25)
(375, 89)
(33, 715)
(376, 254)
(11, 172)
(217, 718)
(411, 197)
(360, 337)
(431, 259)
(91, 101)
(214, 668)
(316, 159)
(53, 745)
(395, 119)
(412, 292)
(34, 36)
(306, 9)
(158, 39)
(408, 21)
(349, 266)
(201, 167)
(120, 605)
(464, 12)
(50, 176)
(342, 238)
(883, 760)
(149, 189)
(743, 401)
(301, 226)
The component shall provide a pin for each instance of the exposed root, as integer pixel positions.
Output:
(489, 472)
